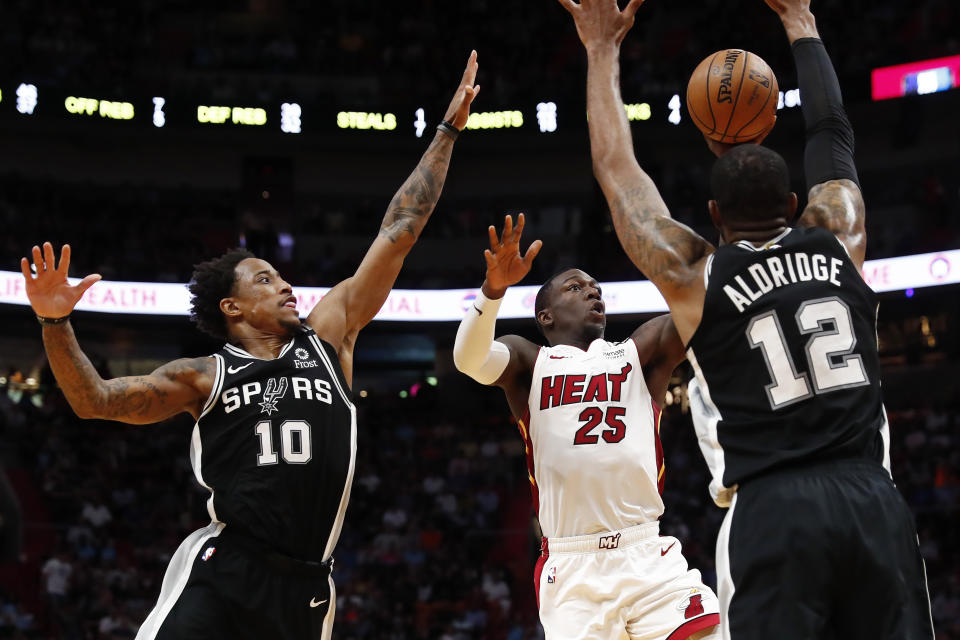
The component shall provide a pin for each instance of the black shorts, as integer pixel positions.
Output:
(822, 552)
(217, 587)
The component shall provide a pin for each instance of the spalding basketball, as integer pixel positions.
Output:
(732, 96)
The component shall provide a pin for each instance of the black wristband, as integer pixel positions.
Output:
(45, 321)
(449, 129)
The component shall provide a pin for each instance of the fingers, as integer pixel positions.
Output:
(631, 9)
(492, 234)
(25, 269)
(470, 73)
(518, 232)
(569, 5)
(48, 257)
(38, 265)
(64, 267)
(532, 252)
(491, 260)
(507, 228)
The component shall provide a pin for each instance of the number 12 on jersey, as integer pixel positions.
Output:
(825, 344)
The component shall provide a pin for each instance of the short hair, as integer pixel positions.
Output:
(211, 282)
(750, 183)
(543, 296)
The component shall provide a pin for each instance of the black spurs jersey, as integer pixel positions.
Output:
(276, 446)
(785, 359)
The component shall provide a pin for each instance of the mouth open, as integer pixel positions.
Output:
(290, 303)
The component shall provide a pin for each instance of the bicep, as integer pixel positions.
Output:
(838, 207)
(664, 250)
(353, 303)
(171, 389)
(515, 379)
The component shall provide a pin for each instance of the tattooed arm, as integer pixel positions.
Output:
(354, 302)
(183, 385)
(667, 252)
(834, 199)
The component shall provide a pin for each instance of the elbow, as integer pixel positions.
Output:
(85, 413)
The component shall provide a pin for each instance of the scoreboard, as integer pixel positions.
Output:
(25, 100)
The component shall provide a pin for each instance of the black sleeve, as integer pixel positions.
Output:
(829, 150)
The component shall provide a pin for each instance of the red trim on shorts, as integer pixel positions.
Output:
(661, 468)
(690, 627)
(523, 424)
(538, 568)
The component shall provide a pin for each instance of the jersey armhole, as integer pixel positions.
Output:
(215, 389)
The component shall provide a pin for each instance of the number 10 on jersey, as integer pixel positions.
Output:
(295, 444)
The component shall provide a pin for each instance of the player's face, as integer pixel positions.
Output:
(265, 299)
(577, 305)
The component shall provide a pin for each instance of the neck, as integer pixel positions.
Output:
(261, 345)
(581, 342)
(756, 235)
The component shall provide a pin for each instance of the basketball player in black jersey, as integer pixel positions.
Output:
(275, 438)
(780, 330)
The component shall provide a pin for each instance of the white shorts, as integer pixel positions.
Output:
(631, 583)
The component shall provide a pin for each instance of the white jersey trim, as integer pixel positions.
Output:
(348, 483)
(746, 244)
(725, 586)
(196, 444)
(706, 416)
(237, 351)
(175, 578)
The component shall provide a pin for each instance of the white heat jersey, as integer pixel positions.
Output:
(592, 435)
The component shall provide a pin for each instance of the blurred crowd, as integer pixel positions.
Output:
(138, 233)
(348, 52)
(439, 540)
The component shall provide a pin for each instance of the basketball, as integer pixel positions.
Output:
(732, 96)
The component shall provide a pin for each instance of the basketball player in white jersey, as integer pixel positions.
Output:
(589, 414)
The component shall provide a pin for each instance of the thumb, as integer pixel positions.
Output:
(82, 286)
(631, 9)
(532, 252)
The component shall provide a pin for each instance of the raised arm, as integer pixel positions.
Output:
(508, 361)
(354, 302)
(182, 385)
(834, 199)
(667, 252)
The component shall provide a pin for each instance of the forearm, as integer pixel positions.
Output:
(830, 143)
(475, 352)
(78, 379)
(611, 143)
(799, 24)
(415, 200)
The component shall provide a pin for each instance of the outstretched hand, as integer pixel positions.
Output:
(459, 109)
(601, 22)
(788, 6)
(505, 265)
(50, 295)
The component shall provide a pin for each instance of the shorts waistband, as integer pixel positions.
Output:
(279, 562)
(603, 541)
(808, 467)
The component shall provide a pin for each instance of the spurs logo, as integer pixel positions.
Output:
(273, 394)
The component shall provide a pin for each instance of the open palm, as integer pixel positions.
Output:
(505, 265)
(49, 292)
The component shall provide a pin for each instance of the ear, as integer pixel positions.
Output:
(545, 318)
(229, 308)
(714, 210)
(792, 206)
